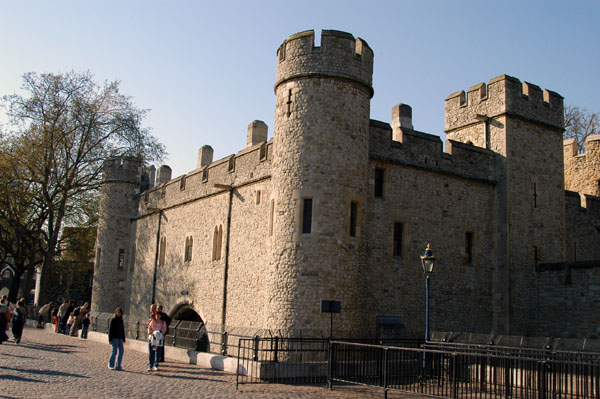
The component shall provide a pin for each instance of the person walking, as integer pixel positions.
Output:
(19, 316)
(116, 337)
(156, 331)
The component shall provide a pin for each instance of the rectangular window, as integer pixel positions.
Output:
(271, 217)
(182, 183)
(398, 239)
(306, 215)
(189, 243)
(379, 176)
(162, 251)
(353, 217)
(257, 197)
(121, 260)
(163, 191)
(469, 248)
(98, 255)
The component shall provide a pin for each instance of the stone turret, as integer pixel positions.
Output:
(320, 177)
(121, 182)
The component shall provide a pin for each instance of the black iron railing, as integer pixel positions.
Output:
(291, 360)
(451, 374)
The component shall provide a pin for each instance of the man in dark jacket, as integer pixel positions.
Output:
(165, 317)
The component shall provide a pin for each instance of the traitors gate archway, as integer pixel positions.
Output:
(187, 329)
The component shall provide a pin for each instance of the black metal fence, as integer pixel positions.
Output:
(292, 360)
(451, 374)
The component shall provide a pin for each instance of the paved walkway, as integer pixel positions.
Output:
(49, 365)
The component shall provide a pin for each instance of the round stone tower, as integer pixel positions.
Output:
(320, 180)
(121, 182)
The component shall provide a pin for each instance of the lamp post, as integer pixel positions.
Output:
(427, 260)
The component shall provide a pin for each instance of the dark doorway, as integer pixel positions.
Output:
(189, 330)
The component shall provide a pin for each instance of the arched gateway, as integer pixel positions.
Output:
(188, 329)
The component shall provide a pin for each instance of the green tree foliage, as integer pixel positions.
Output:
(579, 124)
(61, 130)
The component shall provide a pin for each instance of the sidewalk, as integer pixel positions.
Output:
(50, 365)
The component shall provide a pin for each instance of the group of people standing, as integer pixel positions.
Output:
(68, 319)
(12, 315)
(157, 328)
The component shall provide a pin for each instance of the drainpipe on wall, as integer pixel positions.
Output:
(159, 211)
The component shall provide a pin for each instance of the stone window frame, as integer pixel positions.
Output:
(188, 249)
(398, 248)
(182, 183)
(121, 258)
(98, 256)
(162, 251)
(469, 248)
(217, 242)
(379, 184)
(306, 215)
(353, 217)
(271, 216)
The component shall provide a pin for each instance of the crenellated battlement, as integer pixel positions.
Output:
(248, 165)
(339, 55)
(425, 151)
(123, 169)
(504, 95)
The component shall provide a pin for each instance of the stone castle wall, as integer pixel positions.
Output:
(500, 181)
(194, 209)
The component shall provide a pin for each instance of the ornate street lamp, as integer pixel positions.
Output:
(427, 260)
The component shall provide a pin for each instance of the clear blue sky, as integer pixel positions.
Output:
(206, 69)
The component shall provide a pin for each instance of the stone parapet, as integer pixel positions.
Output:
(340, 55)
(504, 95)
(425, 150)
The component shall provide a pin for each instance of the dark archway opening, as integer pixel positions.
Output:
(188, 329)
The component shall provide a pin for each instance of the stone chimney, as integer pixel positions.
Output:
(205, 156)
(401, 119)
(163, 175)
(257, 132)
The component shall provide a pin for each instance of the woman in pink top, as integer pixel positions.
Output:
(155, 324)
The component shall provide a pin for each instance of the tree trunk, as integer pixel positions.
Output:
(13, 292)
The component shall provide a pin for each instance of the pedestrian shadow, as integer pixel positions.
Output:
(52, 347)
(17, 356)
(44, 372)
(195, 370)
(17, 378)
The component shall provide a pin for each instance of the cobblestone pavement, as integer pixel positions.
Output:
(49, 365)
